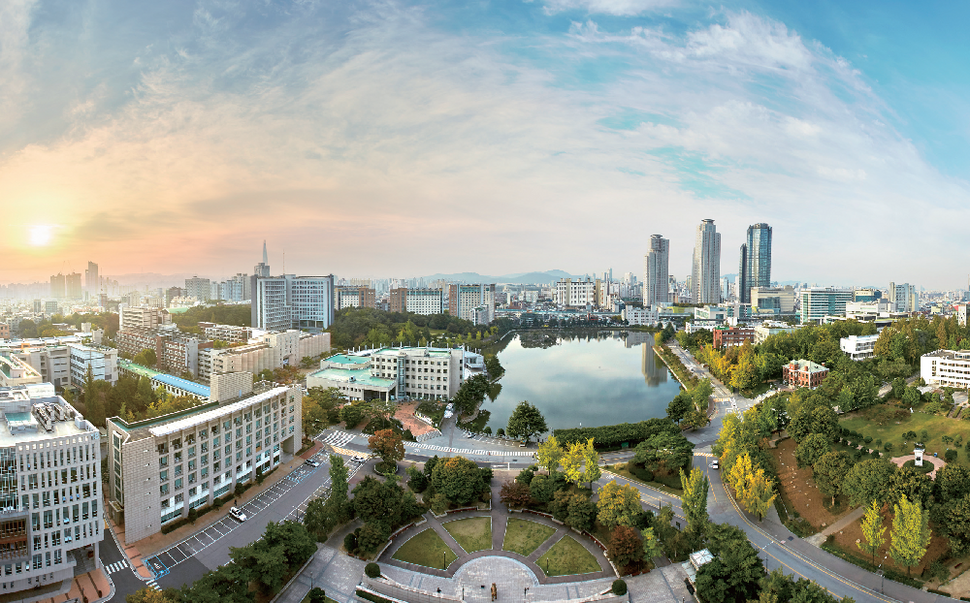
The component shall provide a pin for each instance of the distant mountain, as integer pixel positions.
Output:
(524, 278)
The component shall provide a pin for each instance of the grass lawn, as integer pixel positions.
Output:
(523, 536)
(936, 426)
(622, 471)
(426, 549)
(568, 557)
(473, 534)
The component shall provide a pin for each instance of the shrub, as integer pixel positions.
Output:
(888, 446)
(317, 595)
(439, 504)
(619, 587)
(372, 570)
(500, 433)
(487, 430)
(950, 455)
(350, 543)
(878, 442)
(867, 439)
(875, 454)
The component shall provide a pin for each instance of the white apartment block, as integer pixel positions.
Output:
(577, 293)
(50, 512)
(160, 468)
(946, 368)
(640, 316)
(143, 317)
(880, 308)
(463, 300)
(227, 333)
(419, 301)
(102, 360)
(292, 302)
(269, 351)
(859, 347)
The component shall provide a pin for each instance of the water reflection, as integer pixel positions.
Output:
(590, 378)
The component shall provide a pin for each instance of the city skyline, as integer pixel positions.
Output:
(176, 137)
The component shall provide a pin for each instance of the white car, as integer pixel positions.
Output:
(237, 514)
(359, 459)
(715, 464)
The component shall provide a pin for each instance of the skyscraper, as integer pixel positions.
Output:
(91, 280)
(655, 272)
(755, 266)
(262, 268)
(706, 271)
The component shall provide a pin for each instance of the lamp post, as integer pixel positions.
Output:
(443, 566)
(882, 574)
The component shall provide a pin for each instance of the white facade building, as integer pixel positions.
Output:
(706, 267)
(768, 328)
(903, 297)
(102, 360)
(577, 293)
(946, 368)
(292, 302)
(819, 302)
(859, 347)
(656, 285)
(640, 316)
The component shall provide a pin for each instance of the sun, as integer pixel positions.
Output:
(41, 234)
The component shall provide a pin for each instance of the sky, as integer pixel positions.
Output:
(384, 138)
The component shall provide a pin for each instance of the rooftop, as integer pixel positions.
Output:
(363, 378)
(198, 389)
(138, 369)
(345, 359)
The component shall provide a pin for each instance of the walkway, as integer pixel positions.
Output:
(841, 524)
(500, 516)
(937, 462)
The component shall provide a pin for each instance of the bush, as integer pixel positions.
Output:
(372, 570)
(487, 430)
(878, 442)
(500, 433)
(317, 595)
(350, 543)
(875, 454)
(888, 446)
(619, 587)
(640, 472)
(867, 439)
(950, 455)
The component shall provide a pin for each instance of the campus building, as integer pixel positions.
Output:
(354, 297)
(143, 317)
(859, 347)
(176, 352)
(269, 351)
(804, 373)
(228, 333)
(472, 302)
(769, 328)
(418, 301)
(15, 372)
(160, 468)
(409, 372)
(173, 385)
(50, 511)
(946, 368)
(102, 361)
(819, 302)
(733, 336)
(292, 302)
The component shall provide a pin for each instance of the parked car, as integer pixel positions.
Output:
(359, 459)
(311, 462)
(715, 464)
(237, 514)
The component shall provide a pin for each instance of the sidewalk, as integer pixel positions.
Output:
(94, 585)
(142, 549)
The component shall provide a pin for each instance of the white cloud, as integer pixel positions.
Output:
(608, 7)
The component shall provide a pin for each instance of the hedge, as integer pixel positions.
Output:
(609, 436)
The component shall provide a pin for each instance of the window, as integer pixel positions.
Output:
(192, 452)
(163, 476)
(178, 483)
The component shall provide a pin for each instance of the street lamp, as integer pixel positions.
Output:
(443, 566)
(882, 574)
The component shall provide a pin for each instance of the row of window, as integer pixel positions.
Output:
(46, 459)
(52, 478)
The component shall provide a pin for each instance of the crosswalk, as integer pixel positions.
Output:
(466, 451)
(337, 438)
(117, 566)
(153, 584)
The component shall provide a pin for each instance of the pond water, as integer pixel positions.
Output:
(599, 379)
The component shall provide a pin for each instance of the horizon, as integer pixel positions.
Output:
(424, 138)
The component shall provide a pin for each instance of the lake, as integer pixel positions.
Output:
(596, 379)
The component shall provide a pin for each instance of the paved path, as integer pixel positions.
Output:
(937, 462)
(853, 516)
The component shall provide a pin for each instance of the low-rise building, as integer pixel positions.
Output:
(417, 301)
(354, 297)
(160, 468)
(175, 386)
(102, 360)
(769, 328)
(946, 368)
(15, 372)
(227, 333)
(269, 351)
(804, 373)
(640, 316)
(859, 347)
(733, 337)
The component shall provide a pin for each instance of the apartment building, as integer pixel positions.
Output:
(464, 299)
(418, 301)
(859, 347)
(160, 468)
(292, 302)
(228, 333)
(640, 316)
(176, 352)
(577, 292)
(143, 317)
(268, 351)
(354, 297)
(102, 360)
(50, 516)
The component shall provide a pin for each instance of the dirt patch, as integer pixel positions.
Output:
(798, 488)
(405, 414)
(846, 538)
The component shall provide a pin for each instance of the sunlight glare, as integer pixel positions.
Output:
(40, 235)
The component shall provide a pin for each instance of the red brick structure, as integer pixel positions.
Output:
(733, 336)
(804, 373)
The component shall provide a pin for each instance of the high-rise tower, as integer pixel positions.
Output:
(655, 272)
(706, 271)
(755, 266)
(262, 268)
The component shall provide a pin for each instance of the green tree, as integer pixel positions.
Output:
(549, 454)
(652, 547)
(830, 471)
(148, 595)
(867, 481)
(339, 480)
(680, 407)
(526, 421)
(911, 533)
(810, 449)
(146, 357)
(542, 488)
(736, 571)
(618, 505)
(581, 513)
(666, 450)
(908, 482)
(459, 479)
(872, 531)
(954, 523)
(694, 498)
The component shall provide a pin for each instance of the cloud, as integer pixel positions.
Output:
(607, 7)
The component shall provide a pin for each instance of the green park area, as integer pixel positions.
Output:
(523, 536)
(427, 549)
(474, 534)
(568, 557)
(889, 424)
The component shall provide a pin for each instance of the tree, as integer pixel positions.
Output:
(694, 498)
(339, 476)
(652, 547)
(618, 505)
(580, 463)
(908, 482)
(954, 523)
(459, 479)
(317, 595)
(830, 471)
(736, 571)
(549, 454)
(667, 450)
(911, 533)
(867, 481)
(352, 414)
(526, 421)
(753, 489)
(148, 595)
(516, 495)
(810, 449)
(626, 546)
(872, 531)
(543, 488)
(679, 407)
(388, 445)
(581, 513)
(146, 357)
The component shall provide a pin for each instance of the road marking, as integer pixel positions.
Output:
(117, 566)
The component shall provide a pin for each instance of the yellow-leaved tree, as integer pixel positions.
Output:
(549, 454)
(618, 505)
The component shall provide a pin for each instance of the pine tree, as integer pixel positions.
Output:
(911, 533)
(872, 531)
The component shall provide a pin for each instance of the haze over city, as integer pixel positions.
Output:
(393, 138)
